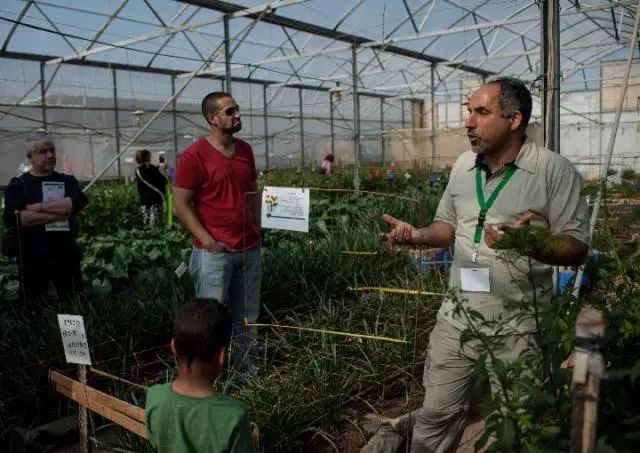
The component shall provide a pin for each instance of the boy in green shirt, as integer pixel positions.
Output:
(187, 415)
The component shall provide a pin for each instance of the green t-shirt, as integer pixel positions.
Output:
(212, 424)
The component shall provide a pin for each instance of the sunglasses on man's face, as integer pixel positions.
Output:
(230, 111)
(51, 150)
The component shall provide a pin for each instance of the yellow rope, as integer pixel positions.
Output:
(413, 292)
(382, 194)
(116, 378)
(331, 332)
(355, 252)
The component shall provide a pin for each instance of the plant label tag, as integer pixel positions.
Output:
(180, 270)
(407, 176)
(475, 279)
(74, 339)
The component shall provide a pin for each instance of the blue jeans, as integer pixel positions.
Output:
(234, 280)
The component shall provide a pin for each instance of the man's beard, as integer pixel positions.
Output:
(236, 128)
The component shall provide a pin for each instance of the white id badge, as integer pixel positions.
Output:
(51, 191)
(475, 278)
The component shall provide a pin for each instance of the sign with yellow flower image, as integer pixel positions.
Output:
(285, 208)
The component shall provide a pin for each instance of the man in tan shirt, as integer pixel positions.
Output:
(504, 181)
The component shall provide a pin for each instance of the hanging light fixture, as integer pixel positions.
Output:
(137, 115)
(336, 92)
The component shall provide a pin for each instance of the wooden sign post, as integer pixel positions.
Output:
(76, 350)
(588, 370)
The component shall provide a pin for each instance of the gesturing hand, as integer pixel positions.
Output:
(402, 233)
(493, 232)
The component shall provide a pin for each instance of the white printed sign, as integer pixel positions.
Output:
(74, 339)
(285, 208)
(52, 191)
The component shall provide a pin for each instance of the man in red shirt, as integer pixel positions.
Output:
(215, 198)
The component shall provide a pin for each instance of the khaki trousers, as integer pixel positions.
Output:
(448, 373)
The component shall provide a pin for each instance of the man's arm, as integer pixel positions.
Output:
(62, 207)
(183, 210)
(256, 205)
(567, 251)
(32, 218)
(438, 234)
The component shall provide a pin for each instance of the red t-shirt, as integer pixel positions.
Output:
(220, 184)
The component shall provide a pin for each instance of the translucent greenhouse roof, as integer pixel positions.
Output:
(311, 42)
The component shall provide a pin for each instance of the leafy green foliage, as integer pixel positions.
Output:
(529, 240)
(111, 261)
(112, 207)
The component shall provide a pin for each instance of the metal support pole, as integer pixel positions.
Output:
(148, 123)
(556, 75)
(301, 126)
(227, 55)
(550, 39)
(382, 133)
(433, 116)
(402, 114)
(612, 141)
(174, 159)
(43, 95)
(356, 118)
(116, 120)
(266, 127)
(331, 127)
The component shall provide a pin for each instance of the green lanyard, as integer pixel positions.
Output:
(486, 205)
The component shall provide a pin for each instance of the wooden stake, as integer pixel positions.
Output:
(590, 420)
(84, 426)
(587, 371)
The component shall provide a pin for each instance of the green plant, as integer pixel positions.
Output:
(111, 261)
(112, 207)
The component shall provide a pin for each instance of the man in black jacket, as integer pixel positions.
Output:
(43, 203)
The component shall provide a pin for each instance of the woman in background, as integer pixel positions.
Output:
(327, 164)
(151, 188)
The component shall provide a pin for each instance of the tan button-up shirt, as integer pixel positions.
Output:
(544, 182)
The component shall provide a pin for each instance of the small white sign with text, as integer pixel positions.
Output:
(74, 339)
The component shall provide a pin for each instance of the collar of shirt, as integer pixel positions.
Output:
(527, 159)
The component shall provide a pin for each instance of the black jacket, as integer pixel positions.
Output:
(152, 175)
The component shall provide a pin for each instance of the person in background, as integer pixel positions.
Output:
(151, 189)
(327, 165)
(216, 199)
(187, 415)
(43, 204)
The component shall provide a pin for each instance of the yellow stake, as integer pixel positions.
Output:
(116, 378)
(331, 332)
(349, 252)
(413, 292)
